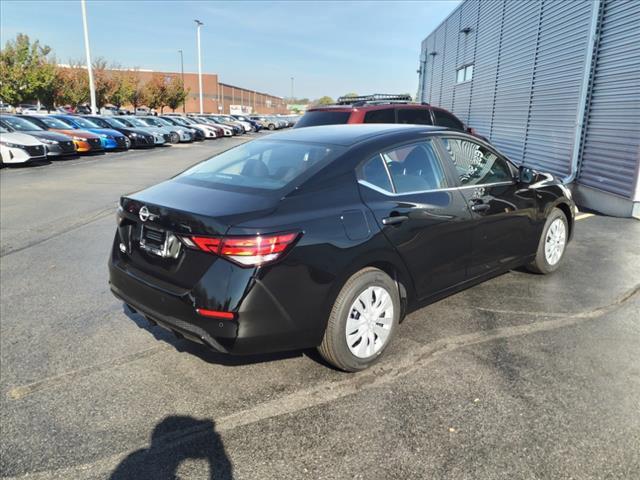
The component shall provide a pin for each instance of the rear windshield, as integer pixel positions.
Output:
(263, 165)
(323, 117)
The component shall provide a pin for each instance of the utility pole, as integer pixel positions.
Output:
(198, 25)
(92, 87)
(184, 108)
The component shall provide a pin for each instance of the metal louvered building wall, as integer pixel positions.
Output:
(555, 86)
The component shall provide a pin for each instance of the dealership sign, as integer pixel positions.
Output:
(240, 109)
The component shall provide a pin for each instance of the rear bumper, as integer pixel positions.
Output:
(261, 323)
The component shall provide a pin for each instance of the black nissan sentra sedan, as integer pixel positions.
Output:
(328, 236)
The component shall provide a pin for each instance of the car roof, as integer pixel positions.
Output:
(348, 134)
(371, 106)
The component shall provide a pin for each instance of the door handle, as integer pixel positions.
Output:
(480, 207)
(394, 220)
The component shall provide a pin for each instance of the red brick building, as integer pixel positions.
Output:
(221, 97)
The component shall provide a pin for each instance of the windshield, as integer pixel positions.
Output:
(114, 122)
(151, 121)
(56, 123)
(19, 124)
(137, 122)
(323, 117)
(101, 122)
(264, 164)
(84, 123)
(164, 123)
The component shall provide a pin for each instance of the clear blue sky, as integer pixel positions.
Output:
(330, 48)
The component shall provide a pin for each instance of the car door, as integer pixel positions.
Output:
(504, 212)
(409, 192)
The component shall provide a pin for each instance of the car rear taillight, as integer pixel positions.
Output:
(246, 251)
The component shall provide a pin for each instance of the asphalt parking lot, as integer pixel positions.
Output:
(524, 376)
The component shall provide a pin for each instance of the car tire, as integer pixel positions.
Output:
(370, 289)
(174, 137)
(272, 126)
(552, 245)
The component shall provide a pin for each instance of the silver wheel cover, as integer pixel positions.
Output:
(369, 322)
(555, 241)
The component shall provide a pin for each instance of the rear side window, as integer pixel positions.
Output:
(446, 119)
(264, 164)
(418, 116)
(375, 173)
(387, 115)
(412, 168)
(323, 117)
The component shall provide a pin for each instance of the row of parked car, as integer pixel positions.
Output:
(31, 138)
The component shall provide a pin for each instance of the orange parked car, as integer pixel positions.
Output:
(86, 142)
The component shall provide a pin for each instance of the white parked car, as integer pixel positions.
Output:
(18, 148)
(246, 125)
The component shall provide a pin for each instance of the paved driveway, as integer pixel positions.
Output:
(524, 376)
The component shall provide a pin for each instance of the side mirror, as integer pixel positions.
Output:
(525, 175)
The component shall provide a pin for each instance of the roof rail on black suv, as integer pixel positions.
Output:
(376, 98)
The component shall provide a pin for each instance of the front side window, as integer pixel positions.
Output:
(263, 164)
(418, 116)
(475, 164)
(412, 168)
(446, 119)
(387, 115)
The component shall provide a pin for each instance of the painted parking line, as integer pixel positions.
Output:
(582, 216)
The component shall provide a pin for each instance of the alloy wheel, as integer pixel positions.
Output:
(555, 241)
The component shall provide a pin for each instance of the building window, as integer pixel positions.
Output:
(464, 74)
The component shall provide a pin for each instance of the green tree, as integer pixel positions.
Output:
(103, 82)
(138, 93)
(74, 81)
(350, 94)
(157, 92)
(324, 101)
(176, 93)
(26, 71)
(124, 84)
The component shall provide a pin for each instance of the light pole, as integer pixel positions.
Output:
(182, 76)
(198, 25)
(292, 89)
(92, 87)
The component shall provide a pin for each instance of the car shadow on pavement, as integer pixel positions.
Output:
(203, 352)
(174, 440)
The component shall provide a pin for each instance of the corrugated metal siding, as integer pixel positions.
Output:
(513, 85)
(435, 88)
(486, 65)
(466, 54)
(429, 71)
(557, 78)
(611, 146)
(450, 54)
(468, 19)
